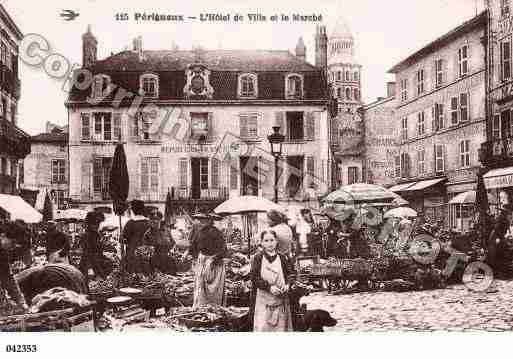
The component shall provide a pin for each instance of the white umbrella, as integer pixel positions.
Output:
(400, 212)
(112, 221)
(246, 204)
(71, 214)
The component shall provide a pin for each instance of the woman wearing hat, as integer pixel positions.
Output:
(91, 243)
(208, 247)
(160, 237)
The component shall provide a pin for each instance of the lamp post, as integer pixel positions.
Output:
(276, 140)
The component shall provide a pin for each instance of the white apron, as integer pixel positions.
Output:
(272, 313)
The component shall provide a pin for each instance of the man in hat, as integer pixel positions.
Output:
(57, 244)
(499, 231)
(133, 233)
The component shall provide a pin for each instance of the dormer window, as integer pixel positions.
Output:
(101, 84)
(149, 85)
(294, 86)
(248, 85)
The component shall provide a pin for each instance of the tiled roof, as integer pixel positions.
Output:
(217, 60)
(271, 67)
(50, 137)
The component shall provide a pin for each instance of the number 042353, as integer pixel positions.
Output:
(21, 348)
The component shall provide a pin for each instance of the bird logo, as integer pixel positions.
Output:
(69, 15)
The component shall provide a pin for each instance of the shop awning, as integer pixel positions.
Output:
(401, 187)
(17, 208)
(498, 178)
(425, 184)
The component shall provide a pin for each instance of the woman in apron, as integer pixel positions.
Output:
(271, 275)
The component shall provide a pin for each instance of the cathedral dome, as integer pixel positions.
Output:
(341, 30)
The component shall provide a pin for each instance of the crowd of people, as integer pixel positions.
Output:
(147, 245)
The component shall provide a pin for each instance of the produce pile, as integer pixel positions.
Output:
(206, 318)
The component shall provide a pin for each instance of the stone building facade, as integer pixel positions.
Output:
(497, 151)
(14, 142)
(196, 125)
(381, 134)
(441, 114)
(46, 168)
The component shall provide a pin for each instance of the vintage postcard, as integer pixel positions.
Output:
(329, 166)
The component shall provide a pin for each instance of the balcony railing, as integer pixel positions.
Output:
(208, 194)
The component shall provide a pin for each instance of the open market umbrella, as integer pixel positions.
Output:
(360, 193)
(118, 186)
(400, 212)
(71, 215)
(47, 209)
(245, 205)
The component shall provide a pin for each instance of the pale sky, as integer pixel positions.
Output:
(386, 31)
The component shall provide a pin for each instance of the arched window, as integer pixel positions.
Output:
(339, 93)
(149, 84)
(248, 85)
(339, 75)
(101, 84)
(294, 86)
(348, 93)
(355, 76)
(348, 76)
(356, 94)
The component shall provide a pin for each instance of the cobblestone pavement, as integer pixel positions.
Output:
(455, 308)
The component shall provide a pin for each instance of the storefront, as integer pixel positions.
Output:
(499, 182)
(426, 196)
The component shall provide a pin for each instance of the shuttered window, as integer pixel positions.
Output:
(505, 54)
(463, 60)
(215, 173)
(150, 175)
(117, 127)
(248, 125)
(86, 126)
(439, 159)
(464, 107)
(454, 110)
(182, 170)
(397, 162)
(310, 126)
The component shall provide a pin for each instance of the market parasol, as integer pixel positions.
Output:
(360, 193)
(113, 222)
(400, 212)
(246, 205)
(47, 209)
(71, 214)
(119, 185)
(470, 197)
